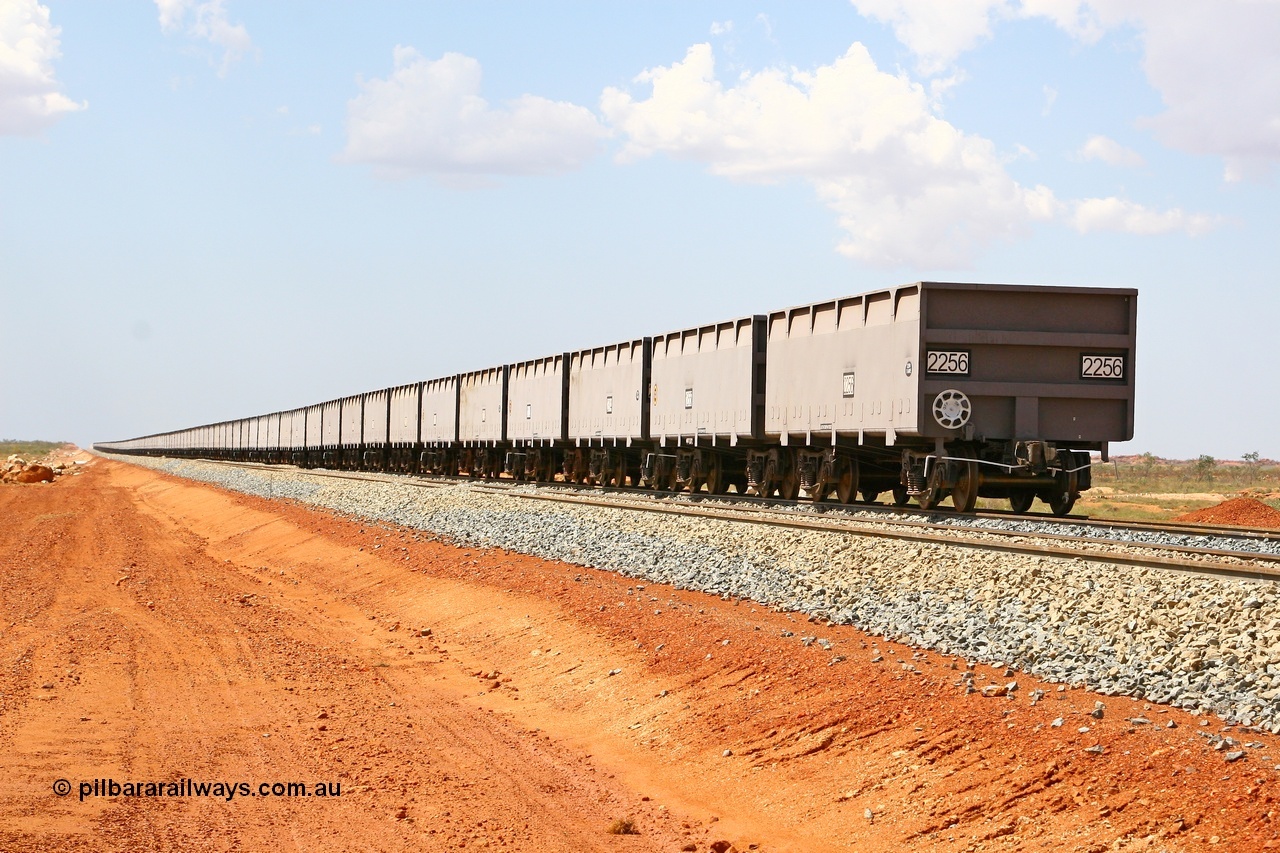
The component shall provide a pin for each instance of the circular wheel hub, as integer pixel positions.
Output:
(951, 408)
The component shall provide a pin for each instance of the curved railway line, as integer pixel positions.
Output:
(1224, 551)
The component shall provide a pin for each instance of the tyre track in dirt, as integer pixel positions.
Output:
(166, 662)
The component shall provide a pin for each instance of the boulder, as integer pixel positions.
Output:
(33, 473)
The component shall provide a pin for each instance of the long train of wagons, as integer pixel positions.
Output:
(928, 390)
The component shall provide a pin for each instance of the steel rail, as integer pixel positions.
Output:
(1249, 565)
(1266, 567)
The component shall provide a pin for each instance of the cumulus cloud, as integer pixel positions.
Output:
(428, 118)
(30, 97)
(936, 31)
(1110, 152)
(1218, 72)
(206, 20)
(1115, 214)
(1215, 65)
(906, 186)
(939, 31)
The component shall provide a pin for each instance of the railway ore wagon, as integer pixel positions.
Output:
(537, 417)
(375, 429)
(252, 444)
(438, 417)
(482, 421)
(293, 435)
(706, 398)
(351, 439)
(937, 390)
(330, 434)
(608, 419)
(406, 443)
(313, 444)
(271, 443)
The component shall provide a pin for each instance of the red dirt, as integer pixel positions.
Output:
(1238, 512)
(186, 632)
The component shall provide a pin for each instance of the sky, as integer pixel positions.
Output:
(211, 209)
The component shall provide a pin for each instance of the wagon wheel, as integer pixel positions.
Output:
(770, 483)
(964, 494)
(933, 495)
(1064, 493)
(819, 491)
(716, 481)
(870, 496)
(1020, 501)
(1061, 502)
(847, 482)
(900, 496)
(789, 488)
(695, 484)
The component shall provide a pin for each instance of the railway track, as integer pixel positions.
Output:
(1072, 537)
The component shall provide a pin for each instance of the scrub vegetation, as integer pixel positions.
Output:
(27, 449)
(1149, 487)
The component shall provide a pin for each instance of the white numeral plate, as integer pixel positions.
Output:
(955, 362)
(1102, 367)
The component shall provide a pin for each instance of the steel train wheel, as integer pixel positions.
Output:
(847, 482)
(900, 496)
(964, 494)
(934, 493)
(1063, 497)
(789, 488)
(715, 481)
(1061, 502)
(1020, 502)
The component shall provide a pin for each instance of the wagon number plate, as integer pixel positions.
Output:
(1102, 367)
(954, 362)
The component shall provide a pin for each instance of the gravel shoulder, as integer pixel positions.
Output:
(184, 623)
(1201, 643)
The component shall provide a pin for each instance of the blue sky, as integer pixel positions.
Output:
(216, 209)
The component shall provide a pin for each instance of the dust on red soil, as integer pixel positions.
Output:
(155, 629)
(1239, 512)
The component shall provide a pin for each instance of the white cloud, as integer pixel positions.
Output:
(939, 31)
(1081, 19)
(906, 186)
(30, 97)
(1215, 65)
(1050, 98)
(1217, 69)
(936, 31)
(1115, 214)
(428, 117)
(1110, 152)
(206, 20)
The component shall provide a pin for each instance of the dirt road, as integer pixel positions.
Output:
(158, 631)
